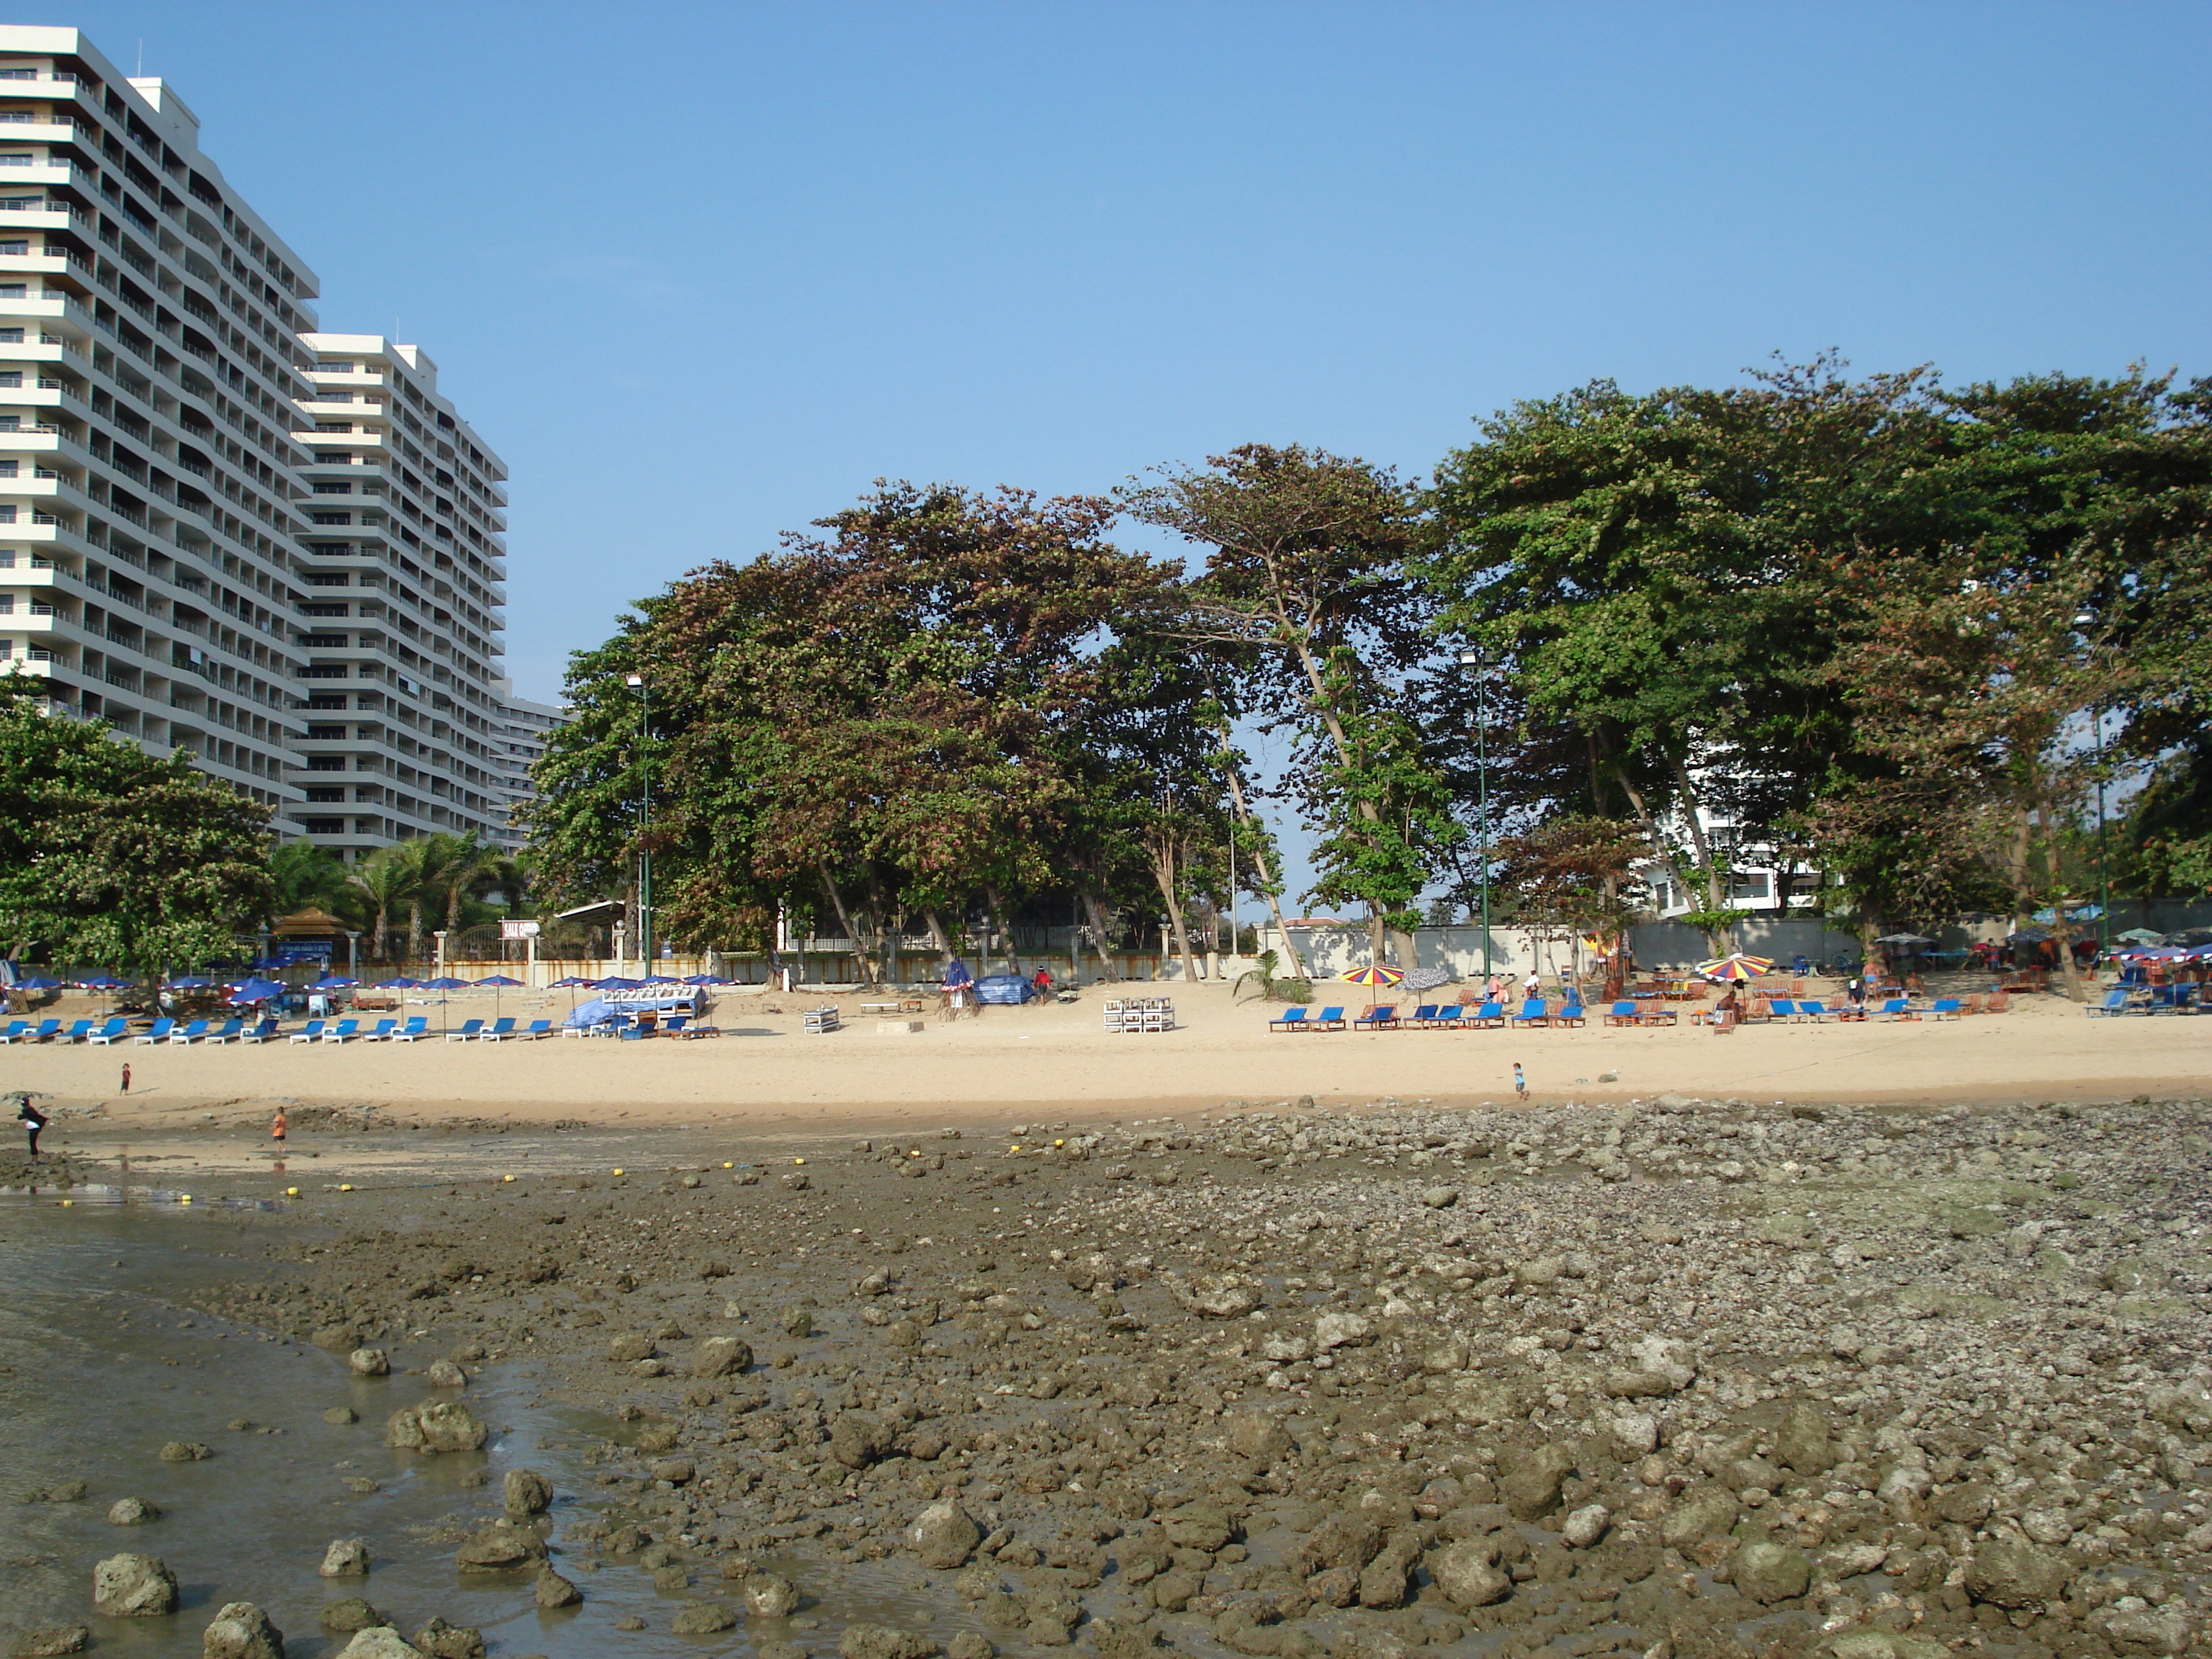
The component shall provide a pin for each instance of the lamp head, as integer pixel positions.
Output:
(1470, 659)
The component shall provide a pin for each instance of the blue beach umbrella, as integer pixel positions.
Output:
(103, 982)
(255, 990)
(398, 982)
(447, 983)
(498, 979)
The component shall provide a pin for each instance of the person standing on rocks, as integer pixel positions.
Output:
(32, 1119)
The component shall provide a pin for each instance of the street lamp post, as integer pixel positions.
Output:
(1473, 660)
(644, 825)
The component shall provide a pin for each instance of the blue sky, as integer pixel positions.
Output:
(701, 273)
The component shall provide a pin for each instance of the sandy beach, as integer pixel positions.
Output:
(1015, 1061)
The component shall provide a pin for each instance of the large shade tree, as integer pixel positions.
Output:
(110, 857)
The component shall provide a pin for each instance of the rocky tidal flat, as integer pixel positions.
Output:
(1683, 1378)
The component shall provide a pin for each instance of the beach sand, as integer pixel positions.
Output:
(1011, 1061)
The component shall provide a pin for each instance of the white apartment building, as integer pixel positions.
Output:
(149, 325)
(278, 550)
(404, 566)
(524, 727)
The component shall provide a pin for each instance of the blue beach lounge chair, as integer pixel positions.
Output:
(535, 1029)
(498, 1032)
(191, 1033)
(417, 1026)
(1329, 1019)
(106, 1034)
(469, 1028)
(1381, 1018)
(158, 1032)
(1532, 1012)
(345, 1031)
(1293, 1020)
(310, 1032)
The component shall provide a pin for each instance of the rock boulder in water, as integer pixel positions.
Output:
(380, 1642)
(242, 1631)
(525, 1491)
(130, 1586)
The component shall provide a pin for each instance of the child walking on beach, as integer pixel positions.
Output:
(1520, 1081)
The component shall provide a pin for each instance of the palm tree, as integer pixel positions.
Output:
(307, 876)
(386, 879)
(470, 870)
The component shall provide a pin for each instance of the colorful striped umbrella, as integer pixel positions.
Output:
(1736, 966)
(1375, 975)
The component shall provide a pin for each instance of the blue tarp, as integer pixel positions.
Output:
(600, 1012)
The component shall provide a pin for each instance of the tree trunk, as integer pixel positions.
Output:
(1650, 827)
(2062, 927)
(1377, 927)
(1162, 859)
(1716, 878)
(1098, 933)
(415, 930)
(845, 920)
(940, 940)
(1267, 883)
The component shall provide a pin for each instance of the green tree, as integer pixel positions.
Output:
(874, 718)
(110, 857)
(306, 877)
(385, 883)
(1656, 574)
(1302, 595)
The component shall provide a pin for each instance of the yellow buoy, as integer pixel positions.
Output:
(727, 1165)
(345, 1186)
(183, 1197)
(1015, 1148)
(620, 1172)
(1059, 1142)
(798, 1160)
(69, 1203)
(291, 1192)
(507, 1178)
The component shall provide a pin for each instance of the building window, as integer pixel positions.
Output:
(332, 518)
(7, 469)
(1756, 886)
(11, 337)
(332, 458)
(11, 377)
(12, 246)
(324, 826)
(14, 290)
(333, 796)
(326, 488)
(333, 426)
(334, 369)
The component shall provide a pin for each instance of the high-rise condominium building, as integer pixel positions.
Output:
(525, 727)
(276, 549)
(404, 570)
(149, 327)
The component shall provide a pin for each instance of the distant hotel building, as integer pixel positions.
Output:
(405, 571)
(524, 727)
(278, 551)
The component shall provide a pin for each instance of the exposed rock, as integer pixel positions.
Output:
(1340, 1330)
(631, 1347)
(703, 1619)
(2017, 1575)
(346, 1558)
(555, 1591)
(1586, 1526)
(380, 1642)
(498, 1548)
(1469, 1574)
(1771, 1573)
(722, 1356)
(242, 1631)
(943, 1535)
(444, 1374)
(440, 1640)
(1533, 1489)
(525, 1491)
(341, 1415)
(131, 1586)
(882, 1641)
(132, 1512)
(1801, 1442)
(1440, 1198)
(859, 1438)
(186, 1451)
(770, 1595)
(1218, 1296)
(435, 1425)
(48, 1640)
(352, 1613)
(369, 1362)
